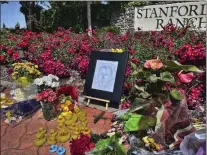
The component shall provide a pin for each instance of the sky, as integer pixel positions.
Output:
(10, 15)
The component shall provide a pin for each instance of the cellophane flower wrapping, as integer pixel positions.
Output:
(173, 124)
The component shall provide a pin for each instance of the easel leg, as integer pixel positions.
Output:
(107, 105)
(88, 102)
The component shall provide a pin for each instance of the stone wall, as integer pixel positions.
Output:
(123, 19)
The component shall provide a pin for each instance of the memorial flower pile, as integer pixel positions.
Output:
(58, 52)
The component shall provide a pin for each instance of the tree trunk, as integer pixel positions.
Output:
(89, 18)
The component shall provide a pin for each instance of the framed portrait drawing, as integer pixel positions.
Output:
(105, 75)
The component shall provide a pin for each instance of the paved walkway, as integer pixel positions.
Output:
(18, 140)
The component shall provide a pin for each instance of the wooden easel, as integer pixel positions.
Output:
(98, 99)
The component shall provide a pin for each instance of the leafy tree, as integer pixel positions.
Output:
(17, 26)
(31, 11)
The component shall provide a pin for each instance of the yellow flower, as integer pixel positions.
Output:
(23, 80)
(113, 50)
(31, 71)
(38, 72)
(36, 66)
(119, 50)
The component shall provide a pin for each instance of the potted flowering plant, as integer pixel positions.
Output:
(25, 73)
(47, 99)
(45, 82)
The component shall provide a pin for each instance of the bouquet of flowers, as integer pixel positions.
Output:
(47, 95)
(47, 98)
(45, 82)
(25, 73)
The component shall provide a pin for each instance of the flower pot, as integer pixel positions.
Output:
(48, 110)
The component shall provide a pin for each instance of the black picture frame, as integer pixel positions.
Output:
(115, 96)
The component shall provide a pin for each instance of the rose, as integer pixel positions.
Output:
(2, 58)
(9, 51)
(15, 56)
(38, 97)
(50, 99)
(153, 64)
(44, 94)
(186, 78)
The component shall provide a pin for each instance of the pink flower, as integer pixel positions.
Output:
(44, 94)
(147, 64)
(50, 99)
(38, 97)
(186, 78)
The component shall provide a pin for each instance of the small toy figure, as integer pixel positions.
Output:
(42, 130)
(87, 131)
(52, 140)
(61, 125)
(63, 135)
(74, 118)
(52, 133)
(39, 139)
(61, 119)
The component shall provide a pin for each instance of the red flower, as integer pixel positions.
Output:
(92, 145)
(2, 58)
(15, 56)
(186, 78)
(80, 146)
(44, 94)
(9, 51)
(68, 90)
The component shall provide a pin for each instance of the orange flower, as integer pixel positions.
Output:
(153, 64)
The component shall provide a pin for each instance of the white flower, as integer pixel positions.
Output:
(38, 81)
(55, 84)
(53, 77)
(48, 83)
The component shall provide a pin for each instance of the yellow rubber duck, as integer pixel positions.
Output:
(39, 139)
(64, 113)
(42, 130)
(74, 136)
(82, 119)
(76, 109)
(63, 135)
(52, 140)
(52, 133)
(87, 131)
(60, 119)
(68, 116)
(74, 118)
(72, 126)
(68, 123)
(85, 123)
(61, 126)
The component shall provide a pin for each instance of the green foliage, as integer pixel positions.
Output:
(109, 146)
(74, 14)
(17, 26)
(176, 95)
(113, 29)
